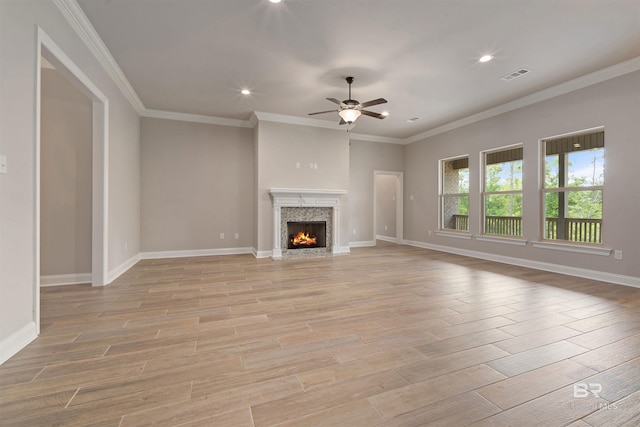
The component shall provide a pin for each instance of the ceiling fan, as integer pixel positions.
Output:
(351, 109)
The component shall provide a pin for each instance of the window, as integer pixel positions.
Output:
(454, 194)
(502, 192)
(573, 187)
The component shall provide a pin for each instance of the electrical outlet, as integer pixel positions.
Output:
(297, 165)
(385, 228)
(429, 233)
(221, 236)
(411, 197)
(617, 254)
(354, 231)
(237, 236)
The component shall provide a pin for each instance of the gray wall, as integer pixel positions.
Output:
(18, 19)
(65, 177)
(365, 158)
(197, 182)
(614, 104)
(279, 147)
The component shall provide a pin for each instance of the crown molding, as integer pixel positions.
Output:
(605, 74)
(375, 138)
(295, 120)
(196, 118)
(72, 11)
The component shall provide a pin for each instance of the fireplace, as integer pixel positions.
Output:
(314, 208)
(306, 234)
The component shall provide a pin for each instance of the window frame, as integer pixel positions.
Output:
(544, 191)
(442, 196)
(484, 192)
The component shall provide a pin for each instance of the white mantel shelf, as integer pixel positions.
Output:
(302, 197)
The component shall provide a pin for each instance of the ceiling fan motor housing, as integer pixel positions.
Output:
(351, 103)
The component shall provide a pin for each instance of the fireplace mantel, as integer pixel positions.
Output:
(299, 198)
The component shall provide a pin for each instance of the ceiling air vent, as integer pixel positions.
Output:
(515, 74)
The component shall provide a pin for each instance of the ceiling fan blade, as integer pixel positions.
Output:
(374, 102)
(323, 112)
(335, 101)
(372, 114)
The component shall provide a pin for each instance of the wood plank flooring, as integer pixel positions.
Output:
(387, 336)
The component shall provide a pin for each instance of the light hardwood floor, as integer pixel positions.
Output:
(389, 336)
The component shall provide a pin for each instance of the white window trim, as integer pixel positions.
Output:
(568, 247)
(564, 245)
(516, 241)
(441, 195)
(455, 234)
(497, 238)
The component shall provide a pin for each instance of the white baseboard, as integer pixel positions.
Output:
(195, 253)
(362, 244)
(65, 279)
(387, 239)
(17, 341)
(617, 279)
(341, 250)
(261, 254)
(122, 268)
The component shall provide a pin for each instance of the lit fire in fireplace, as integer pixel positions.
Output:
(303, 239)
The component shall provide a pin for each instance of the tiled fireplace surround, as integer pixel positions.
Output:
(305, 205)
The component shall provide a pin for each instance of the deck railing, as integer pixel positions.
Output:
(581, 230)
(576, 229)
(461, 222)
(503, 225)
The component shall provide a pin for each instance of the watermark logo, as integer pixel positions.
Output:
(581, 390)
(584, 390)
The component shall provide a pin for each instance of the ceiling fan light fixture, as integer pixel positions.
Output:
(349, 115)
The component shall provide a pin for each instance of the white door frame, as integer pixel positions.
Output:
(100, 143)
(399, 203)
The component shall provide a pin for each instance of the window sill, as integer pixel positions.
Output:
(503, 240)
(455, 235)
(565, 247)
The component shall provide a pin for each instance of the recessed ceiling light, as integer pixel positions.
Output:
(245, 92)
(486, 58)
(413, 119)
(274, 1)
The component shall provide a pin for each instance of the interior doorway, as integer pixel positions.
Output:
(65, 180)
(48, 50)
(388, 206)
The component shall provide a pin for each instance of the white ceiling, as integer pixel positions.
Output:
(194, 56)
